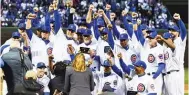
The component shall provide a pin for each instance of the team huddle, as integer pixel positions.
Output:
(134, 60)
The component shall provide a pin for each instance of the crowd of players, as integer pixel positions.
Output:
(153, 13)
(132, 59)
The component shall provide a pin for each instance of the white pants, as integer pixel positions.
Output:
(158, 84)
(181, 81)
(171, 84)
(5, 91)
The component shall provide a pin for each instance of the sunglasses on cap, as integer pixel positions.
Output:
(22, 29)
(44, 31)
(123, 40)
(86, 35)
(71, 30)
(99, 26)
(16, 37)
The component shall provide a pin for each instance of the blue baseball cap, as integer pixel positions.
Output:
(87, 32)
(105, 31)
(152, 34)
(140, 64)
(72, 27)
(173, 27)
(144, 27)
(80, 30)
(123, 36)
(22, 26)
(149, 30)
(106, 64)
(41, 65)
(52, 20)
(39, 26)
(100, 22)
(45, 29)
(15, 34)
(167, 35)
(129, 18)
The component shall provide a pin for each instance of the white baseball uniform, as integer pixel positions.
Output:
(129, 56)
(152, 57)
(114, 81)
(179, 53)
(171, 72)
(143, 85)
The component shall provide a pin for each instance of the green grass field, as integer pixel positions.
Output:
(186, 79)
(186, 76)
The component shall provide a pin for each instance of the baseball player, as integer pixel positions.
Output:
(131, 26)
(152, 54)
(171, 71)
(130, 54)
(16, 36)
(141, 84)
(46, 46)
(105, 44)
(109, 81)
(180, 42)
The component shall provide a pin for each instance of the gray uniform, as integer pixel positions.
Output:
(78, 83)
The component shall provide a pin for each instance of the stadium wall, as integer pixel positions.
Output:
(7, 31)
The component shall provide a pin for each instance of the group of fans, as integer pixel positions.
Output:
(151, 12)
(128, 60)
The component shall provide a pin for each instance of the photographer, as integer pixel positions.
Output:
(13, 70)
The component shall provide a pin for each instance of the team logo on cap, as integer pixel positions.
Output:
(133, 58)
(115, 82)
(140, 87)
(49, 50)
(107, 83)
(166, 55)
(151, 58)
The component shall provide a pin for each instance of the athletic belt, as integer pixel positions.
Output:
(151, 73)
(170, 72)
(132, 92)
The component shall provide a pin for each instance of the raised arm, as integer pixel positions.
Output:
(126, 24)
(107, 21)
(115, 68)
(89, 14)
(140, 35)
(110, 39)
(28, 26)
(57, 17)
(115, 31)
(124, 67)
(95, 29)
(183, 30)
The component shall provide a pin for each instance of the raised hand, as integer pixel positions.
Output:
(124, 13)
(108, 7)
(176, 16)
(91, 7)
(119, 55)
(112, 16)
